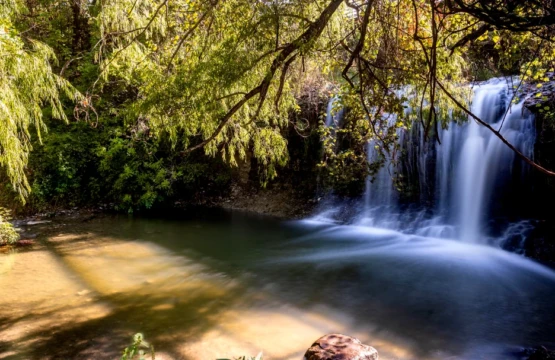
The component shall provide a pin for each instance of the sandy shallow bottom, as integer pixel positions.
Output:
(83, 296)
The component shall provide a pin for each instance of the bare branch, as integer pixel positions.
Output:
(360, 44)
(471, 36)
(189, 32)
(282, 80)
(496, 133)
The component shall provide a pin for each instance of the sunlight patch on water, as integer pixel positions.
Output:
(112, 266)
(38, 293)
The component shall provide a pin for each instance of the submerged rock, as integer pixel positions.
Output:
(540, 243)
(340, 347)
(37, 222)
(541, 353)
(24, 243)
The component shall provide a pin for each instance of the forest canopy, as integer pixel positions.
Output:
(223, 77)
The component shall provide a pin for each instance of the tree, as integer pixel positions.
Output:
(28, 87)
(223, 76)
(229, 85)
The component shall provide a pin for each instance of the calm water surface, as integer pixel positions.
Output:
(210, 284)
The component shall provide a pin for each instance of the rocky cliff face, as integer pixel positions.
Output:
(540, 244)
(541, 102)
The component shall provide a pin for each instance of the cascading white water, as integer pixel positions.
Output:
(471, 165)
(380, 195)
(483, 160)
(333, 116)
(379, 188)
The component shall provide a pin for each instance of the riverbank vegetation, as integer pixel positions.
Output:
(141, 103)
(8, 235)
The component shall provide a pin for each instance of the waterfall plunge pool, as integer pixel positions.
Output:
(211, 284)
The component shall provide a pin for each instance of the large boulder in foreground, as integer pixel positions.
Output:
(541, 353)
(340, 347)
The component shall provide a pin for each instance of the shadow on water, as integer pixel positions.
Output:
(106, 336)
(230, 283)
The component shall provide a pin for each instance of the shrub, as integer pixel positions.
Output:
(136, 349)
(77, 165)
(8, 235)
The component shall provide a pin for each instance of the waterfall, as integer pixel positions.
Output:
(380, 195)
(484, 162)
(333, 115)
(470, 172)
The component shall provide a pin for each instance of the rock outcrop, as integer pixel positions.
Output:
(540, 97)
(540, 243)
(541, 353)
(340, 347)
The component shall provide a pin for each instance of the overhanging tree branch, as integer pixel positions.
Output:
(312, 33)
(533, 15)
(471, 36)
(190, 31)
(135, 38)
(360, 44)
(495, 132)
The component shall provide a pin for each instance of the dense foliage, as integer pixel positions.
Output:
(168, 96)
(8, 235)
(27, 85)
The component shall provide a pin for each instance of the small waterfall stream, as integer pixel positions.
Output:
(333, 116)
(469, 173)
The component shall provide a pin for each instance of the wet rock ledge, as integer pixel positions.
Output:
(541, 353)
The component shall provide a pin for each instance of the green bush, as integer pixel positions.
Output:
(8, 235)
(114, 163)
(136, 349)
(63, 168)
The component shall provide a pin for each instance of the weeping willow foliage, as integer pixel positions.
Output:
(28, 85)
(193, 61)
(192, 65)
